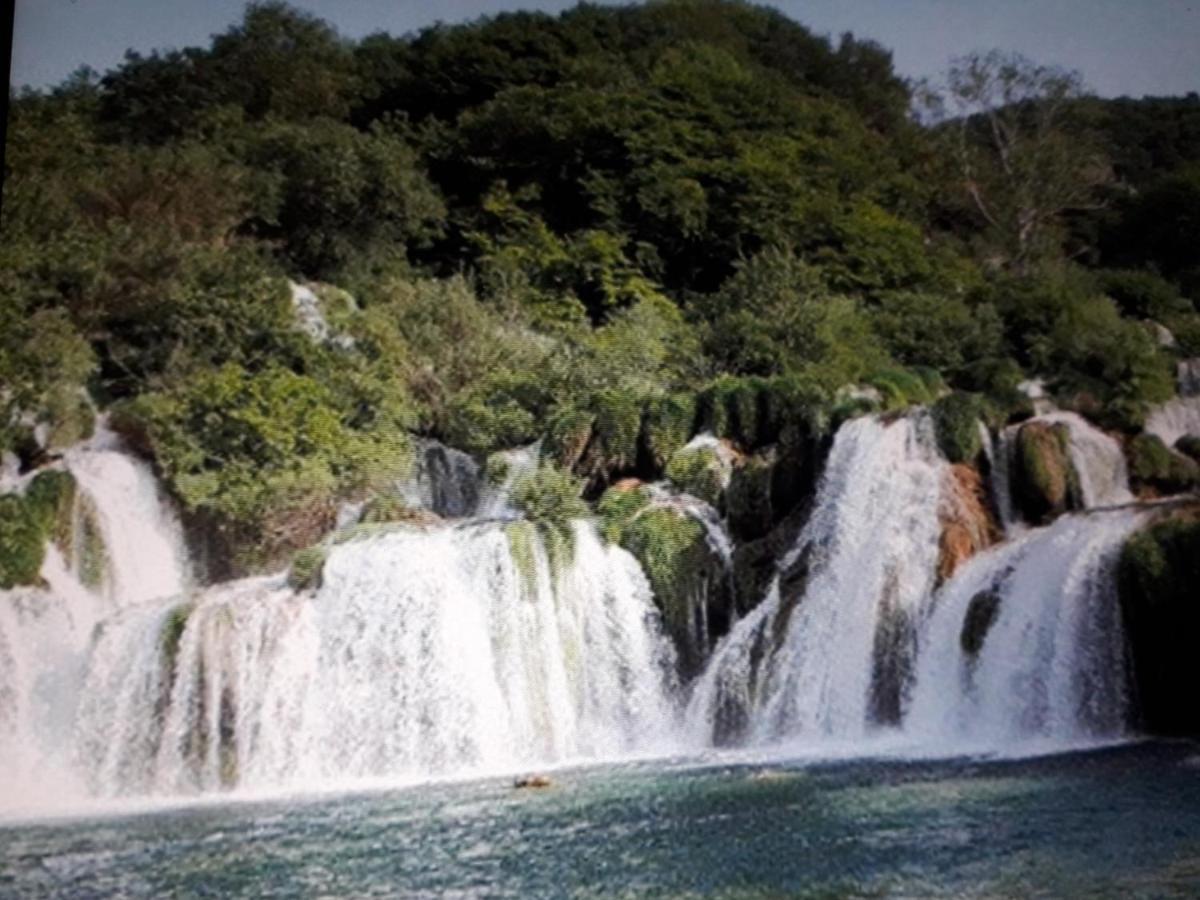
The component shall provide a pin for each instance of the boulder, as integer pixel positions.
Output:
(1157, 575)
(1157, 471)
(1044, 481)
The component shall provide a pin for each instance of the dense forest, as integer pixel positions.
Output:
(608, 230)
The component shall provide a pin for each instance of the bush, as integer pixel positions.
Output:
(549, 496)
(956, 418)
(701, 470)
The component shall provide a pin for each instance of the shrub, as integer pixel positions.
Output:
(956, 418)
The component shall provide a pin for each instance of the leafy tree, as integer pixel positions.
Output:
(1021, 163)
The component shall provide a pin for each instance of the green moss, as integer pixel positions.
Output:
(71, 420)
(956, 420)
(1045, 483)
(307, 569)
(899, 388)
(1153, 466)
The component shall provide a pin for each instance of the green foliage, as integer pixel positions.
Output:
(956, 418)
(28, 521)
(900, 388)
(342, 193)
(548, 496)
(666, 426)
(701, 472)
(775, 316)
(943, 332)
(1154, 466)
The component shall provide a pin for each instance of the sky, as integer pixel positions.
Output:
(1121, 47)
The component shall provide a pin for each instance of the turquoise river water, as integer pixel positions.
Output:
(1117, 822)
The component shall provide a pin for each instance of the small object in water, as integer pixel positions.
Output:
(767, 775)
(532, 781)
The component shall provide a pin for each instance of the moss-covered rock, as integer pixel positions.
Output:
(568, 435)
(70, 419)
(1044, 481)
(1157, 471)
(683, 571)
(748, 502)
(1189, 446)
(522, 544)
(617, 426)
(549, 495)
(31, 520)
(308, 569)
(981, 615)
(1157, 575)
(702, 468)
(956, 419)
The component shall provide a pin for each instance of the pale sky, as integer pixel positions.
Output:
(1122, 47)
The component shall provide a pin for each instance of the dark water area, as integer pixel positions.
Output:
(1118, 822)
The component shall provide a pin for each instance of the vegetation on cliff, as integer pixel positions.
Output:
(611, 229)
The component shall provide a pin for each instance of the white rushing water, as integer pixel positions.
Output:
(424, 653)
(1050, 662)
(804, 661)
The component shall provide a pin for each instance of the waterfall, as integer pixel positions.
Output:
(1026, 643)
(425, 652)
(142, 539)
(1175, 419)
(827, 656)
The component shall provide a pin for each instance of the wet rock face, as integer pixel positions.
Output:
(1157, 578)
(968, 524)
(1044, 481)
(981, 615)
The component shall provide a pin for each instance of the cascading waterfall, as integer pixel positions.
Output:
(1025, 642)
(807, 660)
(126, 549)
(142, 539)
(424, 652)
